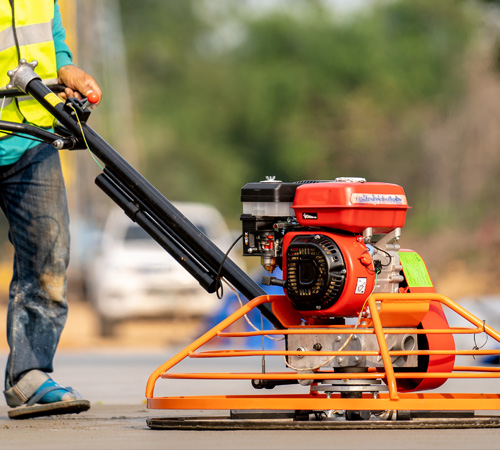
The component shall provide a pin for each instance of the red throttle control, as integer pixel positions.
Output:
(93, 97)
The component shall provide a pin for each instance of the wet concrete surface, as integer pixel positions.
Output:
(112, 374)
(123, 427)
(114, 381)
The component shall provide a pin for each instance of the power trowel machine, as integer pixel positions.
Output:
(364, 335)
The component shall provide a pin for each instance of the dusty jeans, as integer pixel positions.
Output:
(33, 198)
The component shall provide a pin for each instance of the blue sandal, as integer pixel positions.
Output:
(51, 399)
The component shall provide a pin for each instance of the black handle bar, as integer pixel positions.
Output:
(61, 139)
(29, 130)
(11, 93)
(149, 208)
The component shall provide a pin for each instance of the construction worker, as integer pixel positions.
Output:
(33, 199)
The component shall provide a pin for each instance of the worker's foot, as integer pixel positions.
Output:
(51, 399)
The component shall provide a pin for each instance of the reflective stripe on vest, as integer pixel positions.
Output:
(26, 32)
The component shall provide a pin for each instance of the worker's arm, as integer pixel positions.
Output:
(78, 83)
(63, 53)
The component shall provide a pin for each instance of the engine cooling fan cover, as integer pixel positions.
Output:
(316, 272)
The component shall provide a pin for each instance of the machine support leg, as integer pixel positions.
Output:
(384, 351)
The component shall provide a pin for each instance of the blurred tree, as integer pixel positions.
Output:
(228, 96)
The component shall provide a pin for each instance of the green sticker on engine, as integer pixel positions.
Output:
(415, 270)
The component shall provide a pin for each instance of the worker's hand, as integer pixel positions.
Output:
(78, 83)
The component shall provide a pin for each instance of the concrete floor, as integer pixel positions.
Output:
(114, 381)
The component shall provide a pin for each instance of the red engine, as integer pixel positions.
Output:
(335, 241)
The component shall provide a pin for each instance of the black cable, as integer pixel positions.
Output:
(28, 131)
(25, 136)
(386, 254)
(220, 289)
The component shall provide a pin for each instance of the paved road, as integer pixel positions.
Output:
(114, 382)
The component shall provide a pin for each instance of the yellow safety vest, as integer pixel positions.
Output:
(26, 32)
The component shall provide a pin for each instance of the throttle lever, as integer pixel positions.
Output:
(91, 100)
(81, 107)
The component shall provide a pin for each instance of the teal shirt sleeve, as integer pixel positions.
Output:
(63, 53)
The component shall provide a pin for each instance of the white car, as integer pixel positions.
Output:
(134, 277)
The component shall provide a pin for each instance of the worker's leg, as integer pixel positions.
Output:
(33, 197)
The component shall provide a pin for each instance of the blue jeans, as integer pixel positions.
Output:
(33, 198)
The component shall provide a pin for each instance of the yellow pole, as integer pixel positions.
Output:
(68, 14)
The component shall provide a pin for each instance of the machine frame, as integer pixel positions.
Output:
(382, 314)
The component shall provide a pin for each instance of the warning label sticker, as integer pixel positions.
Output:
(360, 286)
(415, 270)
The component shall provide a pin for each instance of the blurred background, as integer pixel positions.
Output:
(203, 96)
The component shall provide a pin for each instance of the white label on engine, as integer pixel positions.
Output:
(378, 199)
(360, 286)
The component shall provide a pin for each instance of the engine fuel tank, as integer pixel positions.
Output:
(351, 206)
